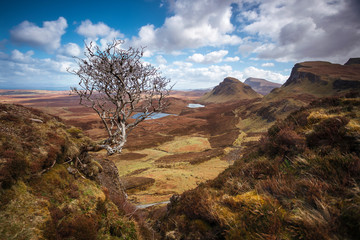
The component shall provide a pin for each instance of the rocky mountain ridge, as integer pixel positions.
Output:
(335, 77)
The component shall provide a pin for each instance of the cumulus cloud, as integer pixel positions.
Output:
(186, 76)
(304, 30)
(22, 69)
(90, 30)
(265, 74)
(47, 37)
(232, 59)
(210, 58)
(267, 64)
(18, 56)
(98, 32)
(194, 24)
(71, 50)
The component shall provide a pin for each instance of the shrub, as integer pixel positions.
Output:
(81, 227)
(121, 229)
(256, 216)
(13, 169)
(330, 131)
(350, 218)
(101, 207)
(75, 132)
(195, 205)
(282, 141)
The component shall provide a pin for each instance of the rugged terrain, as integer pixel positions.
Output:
(51, 186)
(298, 181)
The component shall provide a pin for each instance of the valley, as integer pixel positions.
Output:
(239, 166)
(163, 156)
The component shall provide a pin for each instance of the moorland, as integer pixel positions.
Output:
(243, 166)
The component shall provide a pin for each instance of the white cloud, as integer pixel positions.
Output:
(232, 59)
(305, 30)
(25, 71)
(98, 32)
(18, 56)
(210, 58)
(90, 30)
(267, 64)
(194, 24)
(182, 64)
(186, 76)
(47, 37)
(265, 74)
(71, 50)
(160, 59)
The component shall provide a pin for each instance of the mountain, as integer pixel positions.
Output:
(320, 79)
(308, 81)
(353, 61)
(261, 86)
(231, 89)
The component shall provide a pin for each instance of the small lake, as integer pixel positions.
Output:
(152, 116)
(195, 105)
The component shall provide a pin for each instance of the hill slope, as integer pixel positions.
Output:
(320, 79)
(261, 86)
(231, 89)
(308, 81)
(300, 182)
(50, 183)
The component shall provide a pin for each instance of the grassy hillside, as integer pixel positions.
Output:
(308, 81)
(48, 188)
(301, 181)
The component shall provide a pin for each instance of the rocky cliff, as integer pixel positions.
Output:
(324, 78)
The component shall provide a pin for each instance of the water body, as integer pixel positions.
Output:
(152, 116)
(195, 105)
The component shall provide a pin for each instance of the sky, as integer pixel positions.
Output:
(195, 43)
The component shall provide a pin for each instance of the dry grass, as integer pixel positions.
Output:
(186, 144)
(284, 188)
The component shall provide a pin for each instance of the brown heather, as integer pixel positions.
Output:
(300, 182)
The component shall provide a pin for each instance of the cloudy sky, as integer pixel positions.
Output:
(195, 43)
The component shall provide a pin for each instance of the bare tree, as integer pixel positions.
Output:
(116, 84)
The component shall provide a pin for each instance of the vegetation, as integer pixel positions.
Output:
(116, 84)
(300, 182)
(46, 188)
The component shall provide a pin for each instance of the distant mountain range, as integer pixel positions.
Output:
(261, 86)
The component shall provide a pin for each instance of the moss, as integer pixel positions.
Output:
(75, 132)
(24, 215)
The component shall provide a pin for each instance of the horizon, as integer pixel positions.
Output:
(196, 44)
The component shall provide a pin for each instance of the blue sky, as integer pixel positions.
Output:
(195, 43)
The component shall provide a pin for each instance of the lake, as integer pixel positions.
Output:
(153, 116)
(195, 105)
